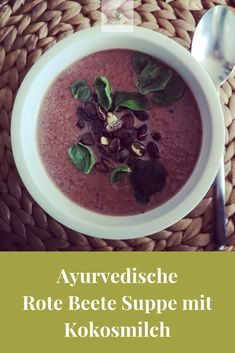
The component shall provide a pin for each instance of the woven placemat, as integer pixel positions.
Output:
(27, 29)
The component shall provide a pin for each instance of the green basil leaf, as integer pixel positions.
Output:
(148, 74)
(173, 92)
(103, 90)
(147, 178)
(80, 90)
(158, 84)
(131, 100)
(161, 99)
(140, 60)
(117, 172)
(82, 157)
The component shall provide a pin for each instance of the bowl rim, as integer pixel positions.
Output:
(117, 229)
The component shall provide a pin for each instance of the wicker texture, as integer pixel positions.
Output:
(27, 29)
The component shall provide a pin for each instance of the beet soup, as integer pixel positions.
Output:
(119, 132)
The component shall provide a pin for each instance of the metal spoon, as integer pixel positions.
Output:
(213, 46)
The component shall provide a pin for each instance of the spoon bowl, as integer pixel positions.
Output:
(213, 43)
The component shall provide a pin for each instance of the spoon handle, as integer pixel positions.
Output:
(219, 215)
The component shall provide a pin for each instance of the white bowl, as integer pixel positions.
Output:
(26, 151)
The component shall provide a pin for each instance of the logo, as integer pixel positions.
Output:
(116, 19)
